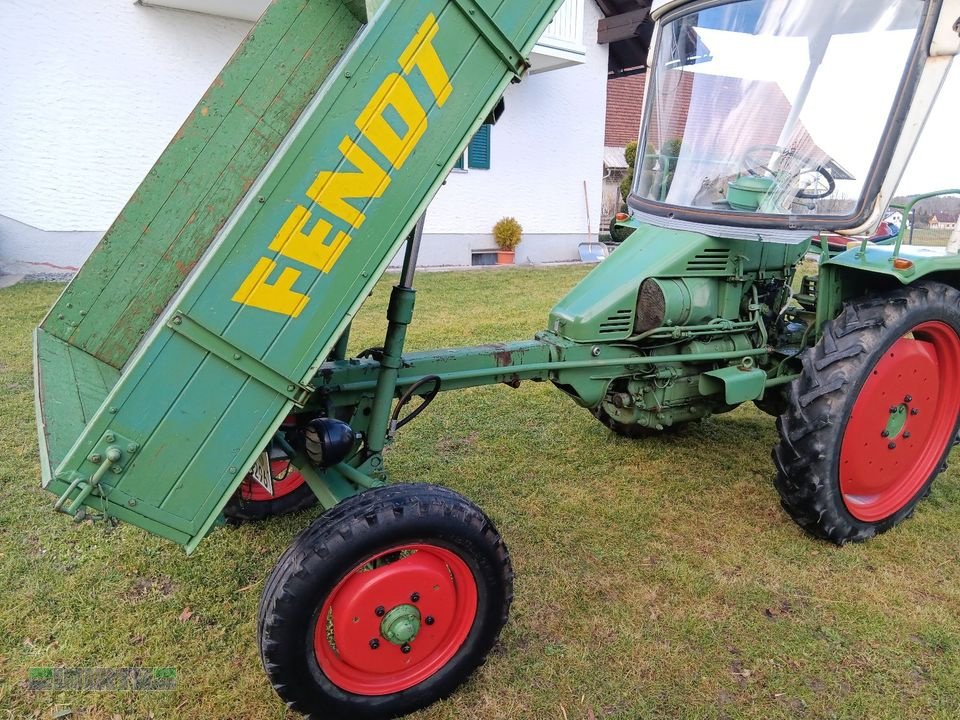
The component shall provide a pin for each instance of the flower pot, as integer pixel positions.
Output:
(505, 257)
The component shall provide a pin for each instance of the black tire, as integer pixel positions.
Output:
(240, 508)
(328, 552)
(821, 401)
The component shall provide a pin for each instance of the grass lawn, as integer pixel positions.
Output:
(655, 579)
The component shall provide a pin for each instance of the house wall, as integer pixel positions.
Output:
(90, 94)
(93, 90)
(547, 145)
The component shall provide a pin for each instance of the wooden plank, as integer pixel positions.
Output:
(93, 385)
(63, 420)
(139, 303)
(178, 185)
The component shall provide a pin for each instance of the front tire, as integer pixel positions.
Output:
(385, 604)
(873, 415)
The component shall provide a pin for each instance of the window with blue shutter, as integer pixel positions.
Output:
(478, 153)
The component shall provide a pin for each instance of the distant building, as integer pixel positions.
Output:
(938, 224)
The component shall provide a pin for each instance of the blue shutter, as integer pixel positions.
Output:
(460, 165)
(478, 157)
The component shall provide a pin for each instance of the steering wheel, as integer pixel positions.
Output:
(789, 168)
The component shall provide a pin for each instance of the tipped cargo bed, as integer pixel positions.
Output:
(198, 323)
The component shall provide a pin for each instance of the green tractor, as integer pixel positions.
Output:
(196, 369)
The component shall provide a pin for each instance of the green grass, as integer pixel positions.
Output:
(655, 579)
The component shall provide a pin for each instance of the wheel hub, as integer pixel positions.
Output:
(901, 423)
(421, 600)
(401, 625)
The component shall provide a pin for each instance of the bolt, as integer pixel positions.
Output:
(232, 470)
(109, 437)
(131, 502)
(374, 644)
(908, 398)
(415, 597)
(429, 620)
(915, 411)
(132, 448)
(177, 320)
(595, 352)
(406, 648)
(893, 410)
(885, 433)
(380, 611)
(95, 459)
(236, 356)
(906, 435)
(892, 445)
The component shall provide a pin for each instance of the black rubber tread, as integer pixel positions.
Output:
(822, 398)
(338, 541)
(634, 432)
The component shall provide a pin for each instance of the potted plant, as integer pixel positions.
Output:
(507, 233)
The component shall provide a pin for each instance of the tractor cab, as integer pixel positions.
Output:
(748, 111)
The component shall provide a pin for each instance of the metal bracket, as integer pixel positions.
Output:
(196, 333)
(495, 37)
(109, 454)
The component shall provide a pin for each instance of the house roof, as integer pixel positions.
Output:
(628, 29)
(614, 158)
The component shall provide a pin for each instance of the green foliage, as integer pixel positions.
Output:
(626, 184)
(508, 233)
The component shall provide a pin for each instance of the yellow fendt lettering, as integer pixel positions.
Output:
(309, 248)
(278, 297)
(394, 92)
(331, 191)
(421, 53)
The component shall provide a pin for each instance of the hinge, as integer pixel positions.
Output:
(494, 35)
(196, 333)
(112, 453)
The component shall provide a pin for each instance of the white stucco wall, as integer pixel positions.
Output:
(91, 92)
(549, 142)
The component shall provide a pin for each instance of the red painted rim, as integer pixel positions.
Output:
(349, 623)
(286, 479)
(902, 422)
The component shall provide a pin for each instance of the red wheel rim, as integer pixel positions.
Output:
(350, 644)
(902, 422)
(286, 479)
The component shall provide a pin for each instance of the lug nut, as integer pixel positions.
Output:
(429, 620)
(406, 648)
(915, 411)
(906, 435)
(892, 445)
(908, 398)
(893, 410)
(374, 644)
(380, 611)
(415, 597)
(885, 433)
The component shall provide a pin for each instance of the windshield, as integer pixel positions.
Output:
(773, 106)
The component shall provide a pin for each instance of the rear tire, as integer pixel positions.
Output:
(252, 503)
(338, 611)
(874, 414)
